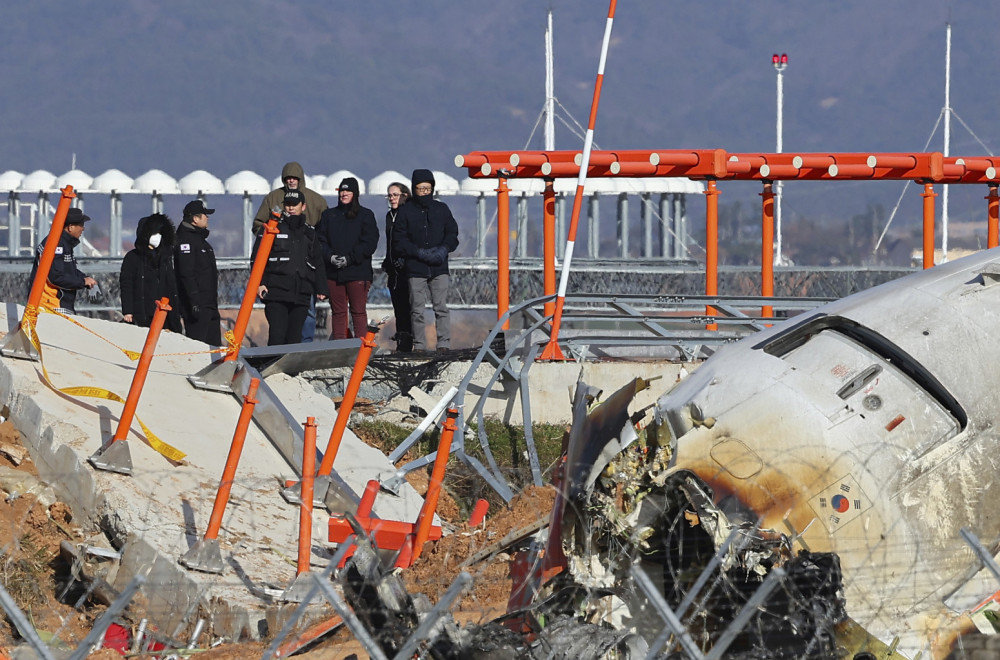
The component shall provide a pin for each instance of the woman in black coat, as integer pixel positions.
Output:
(147, 273)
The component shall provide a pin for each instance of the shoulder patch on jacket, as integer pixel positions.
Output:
(58, 249)
(185, 248)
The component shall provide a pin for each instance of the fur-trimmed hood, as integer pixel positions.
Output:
(155, 224)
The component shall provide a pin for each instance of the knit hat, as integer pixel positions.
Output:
(349, 183)
(421, 176)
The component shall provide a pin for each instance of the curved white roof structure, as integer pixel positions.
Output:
(156, 181)
(332, 181)
(112, 181)
(312, 182)
(10, 181)
(246, 182)
(80, 180)
(38, 181)
(445, 184)
(201, 182)
(380, 183)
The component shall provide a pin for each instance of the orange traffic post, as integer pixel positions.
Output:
(205, 555)
(114, 458)
(711, 247)
(993, 215)
(20, 344)
(344, 411)
(928, 196)
(549, 244)
(306, 503)
(479, 513)
(503, 250)
(767, 248)
(427, 511)
(250, 295)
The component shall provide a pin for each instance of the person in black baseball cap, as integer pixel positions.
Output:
(64, 278)
(197, 276)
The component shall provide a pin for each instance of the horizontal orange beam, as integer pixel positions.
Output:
(719, 164)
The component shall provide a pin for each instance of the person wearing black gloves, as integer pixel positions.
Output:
(349, 235)
(197, 276)
(393, 266)
(293, 273)
(147, 273)
(424, 234)
(65, 278)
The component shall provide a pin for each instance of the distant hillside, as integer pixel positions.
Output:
(228, 85)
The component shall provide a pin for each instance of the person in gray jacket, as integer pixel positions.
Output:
(424, 234)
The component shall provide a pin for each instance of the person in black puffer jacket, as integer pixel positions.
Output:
(197, 276)
(349, 235)
(424, 234)
(147, 273)
(293, 274)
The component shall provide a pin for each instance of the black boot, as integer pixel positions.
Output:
(404, 342)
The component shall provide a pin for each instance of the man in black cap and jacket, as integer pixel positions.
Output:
(197, 276)
(293, 274)
(424, 234)
(65, 278)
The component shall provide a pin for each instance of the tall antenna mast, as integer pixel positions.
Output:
(550, 126)
(947, 139)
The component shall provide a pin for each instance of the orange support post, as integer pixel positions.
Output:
(479, 513)
(993, 215)
(49, 252)
(142, 370)
(928, 196)
(503, 249)
(344, 412)
(235, 450)
(549, 245)
(426, 516)
(711, 247)
(368, 499)
(305, 513)
(767, 248)
(256, 275)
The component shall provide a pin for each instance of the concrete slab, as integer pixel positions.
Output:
(160, 511)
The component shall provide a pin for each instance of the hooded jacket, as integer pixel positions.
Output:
(294, 270)
(425, 232)
(353, 237)
(315, 203)
(147, 274)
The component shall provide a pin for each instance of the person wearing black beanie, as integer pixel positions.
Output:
(349, 235)
(425, 234)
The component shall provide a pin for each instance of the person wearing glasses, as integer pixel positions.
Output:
(349, 235)
(399, 288)
(425, 232)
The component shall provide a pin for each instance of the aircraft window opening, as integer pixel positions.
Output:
(785, 342)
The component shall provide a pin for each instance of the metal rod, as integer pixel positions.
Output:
(24, 627)
(351, 620)
(106, 619)
(426, 626)
(663, 609)
(770, 582)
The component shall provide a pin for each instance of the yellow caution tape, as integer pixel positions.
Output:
(167, 451)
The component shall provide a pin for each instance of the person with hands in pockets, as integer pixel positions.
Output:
(424, 234)
(197, 276)
(293, 274)
(349, 235)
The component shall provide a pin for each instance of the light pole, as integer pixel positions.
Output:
(779, 62)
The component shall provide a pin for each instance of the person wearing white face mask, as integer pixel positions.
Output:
(147, 273)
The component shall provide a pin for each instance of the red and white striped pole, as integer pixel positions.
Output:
(551, 351)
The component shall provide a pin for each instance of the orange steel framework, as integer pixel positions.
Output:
(712, 165)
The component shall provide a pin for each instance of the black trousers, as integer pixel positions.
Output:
(207, 328)
(284, 321)
(399, 293)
